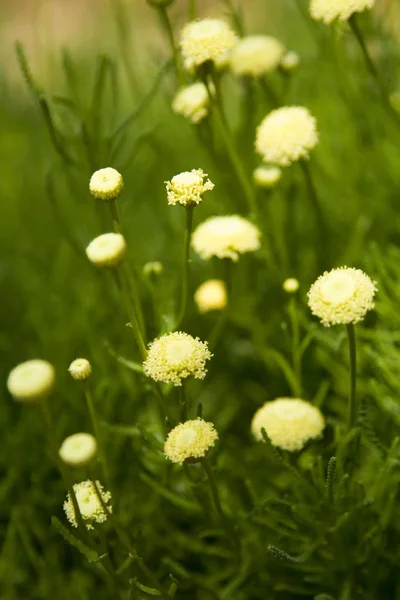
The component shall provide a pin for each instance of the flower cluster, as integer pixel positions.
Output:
(192, 102)
(256, 55)
(190, 441)
(342, 296)
(327, 11)
(225, 237)
(90, 506)
(176, 356)
(207, 39)
(187, 188)
(211, 295)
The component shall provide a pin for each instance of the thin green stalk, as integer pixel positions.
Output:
(115, 217)
(192, 10)
(182, 404)
(353, 409)
(98, 435)
(130, 310)
(319, 216)
(185, 265)
(170, 34)
(214, 489)
(269, 92)
(296, 355)
(223, 317)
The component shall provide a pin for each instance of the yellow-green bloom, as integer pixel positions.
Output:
(225, 237)
(256, 55)
(106, 184)
(89, 504)
(190, 441)
(78, 450)
(80, 369)
(107, 250)
(329, 10)
(31, 381)
(188, 187)
(206, 39)
(211, 295)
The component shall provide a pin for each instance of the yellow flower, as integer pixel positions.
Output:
(89, 504)
(204, 40)
(286, 135)
(289, 423)
(342, 296)
(187, 188)
(211, 295)
(290, 61)
(256, 55)
(107, 250)
(175, 356)
(190, 441)
(106, 184)
(192, 102)
(327, 10)
(80, 369)
(153, 268)
(31, 381)
(225, 237)
(290, 285)
(78, 449)
(267, 177)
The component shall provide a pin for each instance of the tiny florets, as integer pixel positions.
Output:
(327, 10)
(267, 177)
(190, 441)
(286, 135)
(187, 188)
(31, 381)
(175, 356)
(211, 295)
(225, 237)
(204, 40)
(256, 55)
(291, 285)
(342, 296)
(192, 102)
(106, 184)
(80, 369)
(289, 423)
(78, 449)
(89, 504)
(290, 61)
(107, 250)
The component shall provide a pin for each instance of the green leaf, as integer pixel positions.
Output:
(144, 588)
(91, 555)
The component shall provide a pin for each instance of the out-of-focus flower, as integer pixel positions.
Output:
(327, 10)
(256, 55)
(290, 61)
(78, 449)
(192, 102)
(225, 237)
(31, 381)
(211, 295)
(107, 250)
(207, 39)
(267, 177)
(291, 285)
(80, 369)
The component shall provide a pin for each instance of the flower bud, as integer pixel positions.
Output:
(80, 369)
(31, 381)
(106, 184)
(78, 449)
(106, 250)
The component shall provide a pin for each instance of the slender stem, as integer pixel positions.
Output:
(175, 54)
(130, 310)
(182, 403)
(353, 409)
(296, 356)
(236, 17)
(269, 92)
(319, 216)
(185, 265)
(223, 317)
(192, 10)
(115, 217)
(214, 490)
(372, 67)
(97, 432)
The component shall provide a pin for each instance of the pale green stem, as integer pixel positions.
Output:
(296, 355)
(319, 216)
(223, 317)
(115, 217)
(192, 10)
(185, 265)
(170, 34)
(183, 404)
(98, 435)
(353, 408)
(130, 310)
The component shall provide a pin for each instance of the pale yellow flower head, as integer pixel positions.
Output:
(267, 177)
(211, 295)
(342, 296)
(80, 369)
(256, 55)
(106, 184)
(90, 506)
(290, 61)
(291, 285)
(289, 423)
(187, 188)
(286, 135)
(78, 450)
(192, 102)
(329, 10)
(190, 441)
(225, 237)
(152, 268)
(107, 250)
(176, 356)
(31, 381)
(207, 39)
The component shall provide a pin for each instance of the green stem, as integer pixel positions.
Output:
(183, 404)
(319, 216)
(214, 490)
(223, 317)
(353, 409)
(192, 10)
(170, 34)
(185, 265)
(98, 435)
(296, 355)
(130, 310)
(269, 92)
(115, 217)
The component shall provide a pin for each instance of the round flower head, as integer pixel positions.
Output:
(256, 55)
(329, 10)
(342, 296)
(192, 102)
(225, 237)
(288, 422)
(89, 504)
(204, 40)
(187, 187)
(175, 356)
(80, 369)
(267, 177)
(290, 61)
(190, 441)
(286, 135)
(106, 184)
(31, 381)
(211, 295)
(107, 250)
(153, 268)
(78, 450)
(290, 285)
